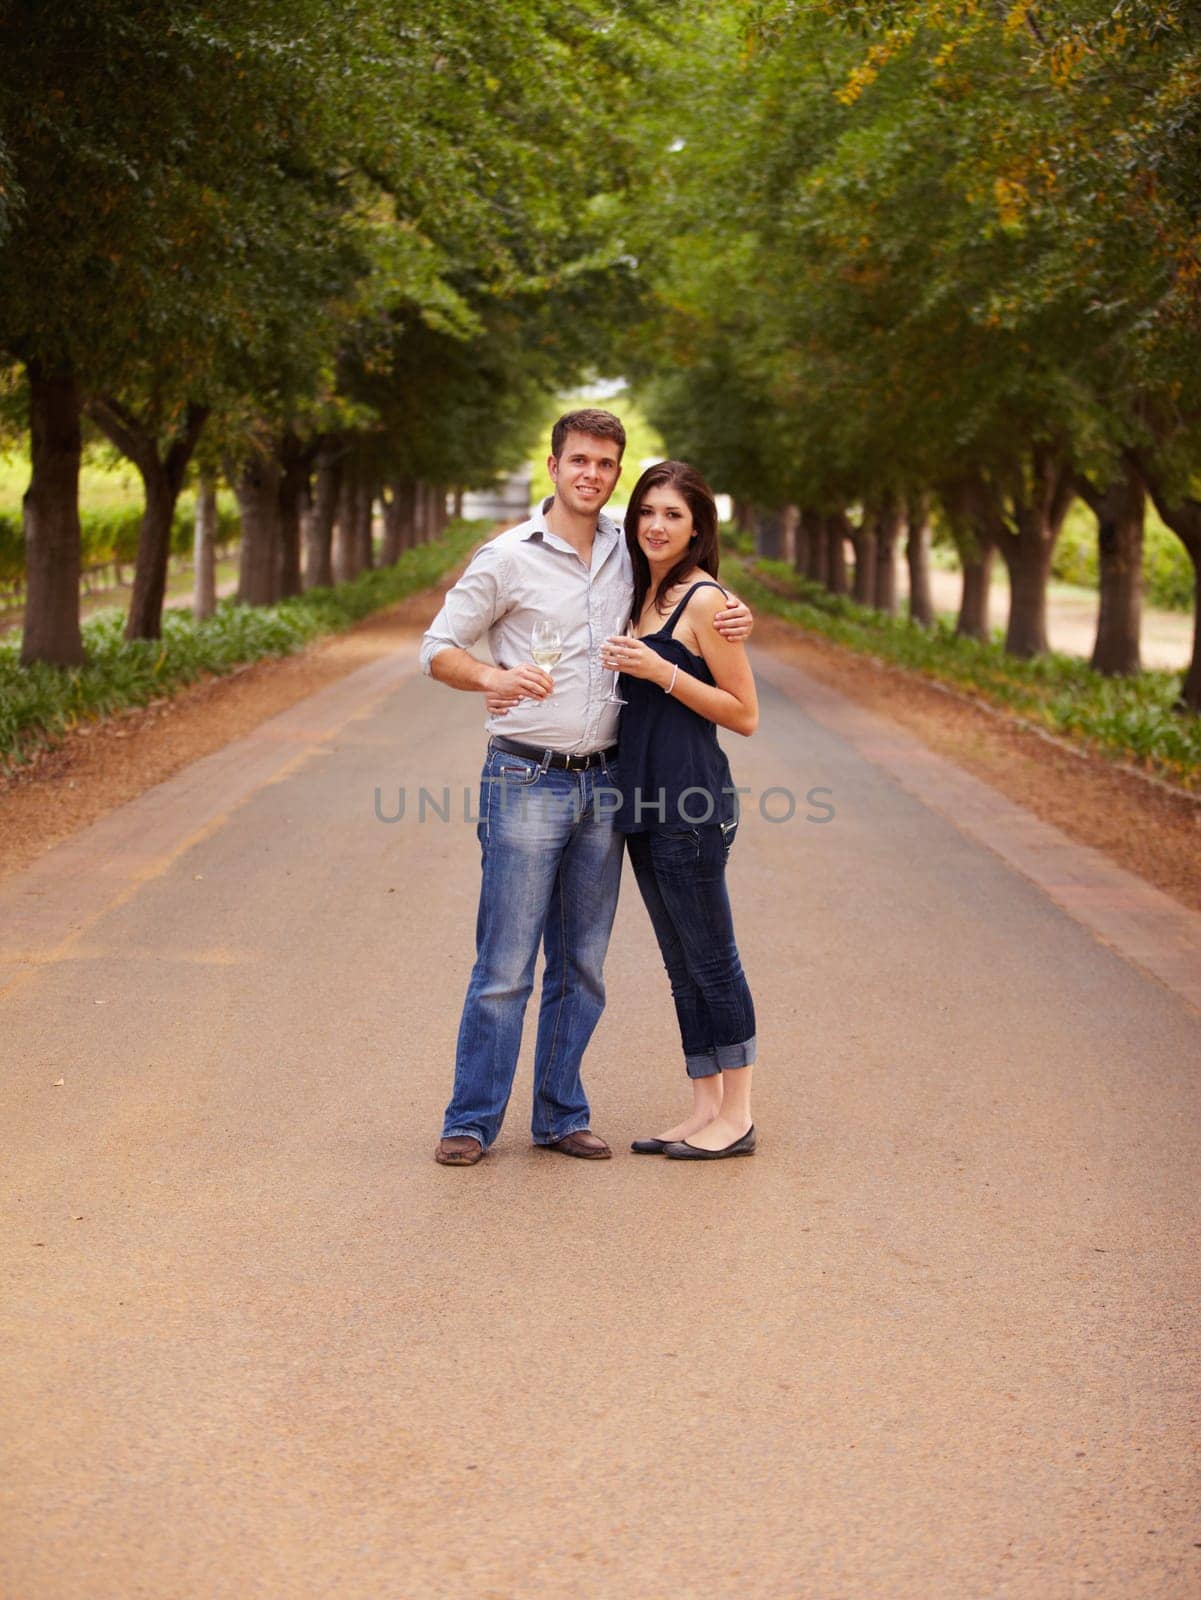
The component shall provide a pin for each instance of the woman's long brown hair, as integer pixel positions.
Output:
(702, 551)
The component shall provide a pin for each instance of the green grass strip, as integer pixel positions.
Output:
(38, 704)
(1127, 717)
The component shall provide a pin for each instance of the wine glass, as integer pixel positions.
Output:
(613, 698)
(546, 647)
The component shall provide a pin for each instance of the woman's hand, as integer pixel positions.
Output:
(635, 659)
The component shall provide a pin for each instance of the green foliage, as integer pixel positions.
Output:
(734, 541)
(110, 535)
(899, 245)
(12, 549)
(298, 221)
(39, 703)
(1075, 559)
(1126, 717)
(103, 486)
(1167, 571)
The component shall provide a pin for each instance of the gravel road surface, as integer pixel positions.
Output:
(937, 1339)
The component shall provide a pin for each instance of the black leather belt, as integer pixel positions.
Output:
(553, 758)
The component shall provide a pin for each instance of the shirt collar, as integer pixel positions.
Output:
(606, 529)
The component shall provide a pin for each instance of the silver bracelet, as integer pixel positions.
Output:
(675, 672)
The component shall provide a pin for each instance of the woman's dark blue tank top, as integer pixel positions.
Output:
(673, 771)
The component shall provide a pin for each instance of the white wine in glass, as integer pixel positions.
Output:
(546, 647)
(613, 698)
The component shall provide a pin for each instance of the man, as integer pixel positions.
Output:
(551, 857)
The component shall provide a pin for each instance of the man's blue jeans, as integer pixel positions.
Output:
(682, 875)
(552, 870)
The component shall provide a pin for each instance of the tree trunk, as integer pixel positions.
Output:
(290, 494)
(1190, 691)
(422, 512)
(404, 492)
(145, 618)
(364, 521)
(458, 505)
(346, 540)
(971, 518)
(973, 621)
(257, 489)
(819, 547)
(791, 531)
(319, 527)
(1183, 516)
(837, 530)
(389, 553)
(888, 532)
(204, 549)
(441, 514)
(418, 512)
(295, 462)
(917, 557)
(51, 516)
(1028, 562)
(803, 542)
(1120, 510)
(769, 533)
(397, 497)
(162, 473)
(1027, 541)
(863, 538)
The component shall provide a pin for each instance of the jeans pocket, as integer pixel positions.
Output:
(515, 771)
(503, 775)
(676, 849)
(728, 832)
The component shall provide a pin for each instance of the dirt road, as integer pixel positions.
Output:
(937, 1339)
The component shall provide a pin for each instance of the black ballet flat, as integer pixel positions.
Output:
(649, 1147)
(681, 1150)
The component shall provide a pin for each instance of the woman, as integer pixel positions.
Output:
(681, 681)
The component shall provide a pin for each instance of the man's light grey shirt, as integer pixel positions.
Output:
(527, 573)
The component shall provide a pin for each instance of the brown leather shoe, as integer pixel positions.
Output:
(459, 1150)
(588, 1146)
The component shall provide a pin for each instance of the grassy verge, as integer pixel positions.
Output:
(39, 704)
(1127, 717)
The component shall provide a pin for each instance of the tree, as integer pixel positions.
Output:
(143, 245)
(206, 197)
(942, 245)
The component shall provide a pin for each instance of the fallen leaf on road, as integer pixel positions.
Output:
(58, 1083)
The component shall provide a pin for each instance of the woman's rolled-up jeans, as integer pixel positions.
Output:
(681, 872)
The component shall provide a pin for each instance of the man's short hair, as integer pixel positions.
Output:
(597, 424)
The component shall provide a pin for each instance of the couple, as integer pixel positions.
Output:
(645, 606)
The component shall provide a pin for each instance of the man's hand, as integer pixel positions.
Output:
(735, 620)
(507, 687)
(499, 704)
